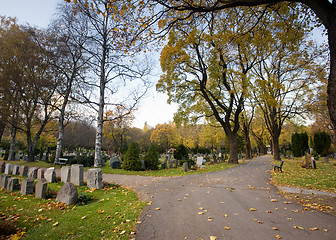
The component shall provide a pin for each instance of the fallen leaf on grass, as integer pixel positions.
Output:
(55, 224)
(101, 211)
(83, 217)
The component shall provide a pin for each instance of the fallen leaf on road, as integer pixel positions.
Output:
(201, 208)
(326, 230)
(225, 215)
(297, 227)
(274, 200)
(227, 228)
(277, 237)
(289, 218)
(287, 202)
(295, 210)
(269, 211)
(313, 229)
(253, 209)
(222, 202)
(210, 219)
(200, 213)
(157, 208)
(213, 238)
(275, 228)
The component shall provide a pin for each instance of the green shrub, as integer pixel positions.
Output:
(181, 153)
(152, 158)
(299, 144)
(322, 142)
(132, 158)
(87, 161)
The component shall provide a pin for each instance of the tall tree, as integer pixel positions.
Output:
(112, 43)
(165, 136)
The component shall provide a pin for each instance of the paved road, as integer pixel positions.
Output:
(240, 198)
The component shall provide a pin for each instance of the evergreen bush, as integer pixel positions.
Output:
(132, 158)
(322, 143)
(299, 144)
(152, 158)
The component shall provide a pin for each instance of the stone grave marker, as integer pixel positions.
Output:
(77, 174)
(68, 194)
(8, 169)
(50, 175)
(2, 167)
(4, 181)
(16, 170)
(326, 159)
(33, 172)
(27, 186)
(94, 178)
(199, 161)
(13, 184)
(185, 166)
(313, 162)
(41, 188)
(163, 165)
(40, 173)
(143, 167)
(24, 171)
(65, 174)
(115, 163)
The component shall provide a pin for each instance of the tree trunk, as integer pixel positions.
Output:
(59, 143)
(30, 148)
(233, 148)
(2, 128)
(11, 155)
(276, 147)
(247, 141)
(332, 76)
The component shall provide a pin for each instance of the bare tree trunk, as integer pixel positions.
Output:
(233, 148)
(276, 147)
(59, 141)
(11, 155)
(332, 76)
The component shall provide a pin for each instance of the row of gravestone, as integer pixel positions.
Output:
(71, 176)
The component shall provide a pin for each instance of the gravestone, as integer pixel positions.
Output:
(40, 173)
(94, 178)
(50, 175)
(4, 181)
(77, 174)
(313, 163)
(326, 159)
(16, 170)
(199, 161)
(115, 163)
(142, 164)
(65, 174)
(23, 171)
(27, 186)
(8, 169)
(68, 194)
(32, 172)
(185, 166)
(2, 167)
(41, 188)
(25, 158)
(163, 165)
(13, 184)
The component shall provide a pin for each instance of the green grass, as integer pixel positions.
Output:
(323, 178)
(33, 164)
(112, 214)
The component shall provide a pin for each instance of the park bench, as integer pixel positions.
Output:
(278, 167)
(61, 161)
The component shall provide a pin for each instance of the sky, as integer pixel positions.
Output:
(153, 109)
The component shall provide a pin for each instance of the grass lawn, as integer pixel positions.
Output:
(111, 214)
(158, 173)
(323, 178)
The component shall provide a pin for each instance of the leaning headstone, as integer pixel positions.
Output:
(2, 167)
(4, 181)
(27, 186)
(13, 184)
(41, 188)
(185, 166)
(94, 178)
(16, 170)
(33, 172)
(68, 194)
(23, 171)
(40, 173)
(50, 175)
(199, 161)
(65, 174)
(77, 174)
(8, 169)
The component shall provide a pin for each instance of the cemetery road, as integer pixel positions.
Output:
(237, 203)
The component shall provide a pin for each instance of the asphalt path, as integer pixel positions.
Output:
(237, 203)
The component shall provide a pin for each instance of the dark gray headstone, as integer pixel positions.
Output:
(24, 171)
(32, 172)
(2, 167)
(50, 175)
(143, 167)
(94, 178)
(27, 186)
(16, 170)
(68, 194)
(65, 174)
(77, 174)
(13, 184)
(41, 188)
(115, 163)
(4, 180)
(185, 166)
